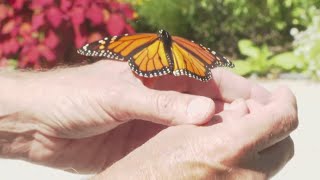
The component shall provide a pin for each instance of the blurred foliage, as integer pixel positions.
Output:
(221, 24)
(261, 61)
(255, 31)
(266, 36)
(307, 46)
(304, 58)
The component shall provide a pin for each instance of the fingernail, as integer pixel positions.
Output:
(198, 108)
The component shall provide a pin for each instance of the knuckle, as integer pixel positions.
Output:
(291, 97)
(163, 102)
(287, 114)
(291, 117)
(288, 119)
(116, 110)
(164, 105)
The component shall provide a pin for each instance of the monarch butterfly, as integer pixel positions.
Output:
(150, 55)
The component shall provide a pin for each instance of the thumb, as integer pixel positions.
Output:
(169, 107)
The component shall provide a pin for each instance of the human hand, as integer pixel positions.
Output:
(250, 141)
(72, 113)
(89, 100)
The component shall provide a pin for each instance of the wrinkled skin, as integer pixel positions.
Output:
(84, 119)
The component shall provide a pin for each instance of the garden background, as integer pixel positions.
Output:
(272, 42)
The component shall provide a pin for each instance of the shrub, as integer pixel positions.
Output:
(41, 33)
(304, 58)
(261, 61)
(221, 24)
(307, 46)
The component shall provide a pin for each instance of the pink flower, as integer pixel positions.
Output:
(37, 21)
(26, 49)
(12, 46)
(8, 27)
(25, 29)
(41, 32)
(47, 53)
(31, 56)
(82, 3)
(115, 24)
(94, 14)
(65, 5)
(40, 4)
(5, 48)
(77, 16)
(18, 4)
(130, 29)
(15, 30)
(29, 40)
(52, 40)
(114, 5)
(54, 16)
(4, 11)
(127, 11)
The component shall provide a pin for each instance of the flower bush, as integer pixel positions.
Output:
(42, 33)
(307, 46)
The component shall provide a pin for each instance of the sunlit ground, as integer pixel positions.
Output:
(307, 142)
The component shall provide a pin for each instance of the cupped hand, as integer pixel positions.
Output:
(90, 100)
(250, 141)
(82, 114)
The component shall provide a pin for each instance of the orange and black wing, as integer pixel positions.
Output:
(144, 52)
(195, 60)
(151, 61)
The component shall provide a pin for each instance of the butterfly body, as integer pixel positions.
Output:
(151, 55)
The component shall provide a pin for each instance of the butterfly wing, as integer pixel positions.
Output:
(151, 61)
(210, 58)
(116, 47)
(195, 60)
(144, 52)
(187, 64)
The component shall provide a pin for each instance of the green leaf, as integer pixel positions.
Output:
(287, 61)
(265, 53)
(247, 48)
(242, 67)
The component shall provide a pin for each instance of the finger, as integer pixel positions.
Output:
(237, 104)
(272, 159)
(231, 87)
(254, 105)
(224, 86)
(266, 126)
(231, 112)
(166, 107)
(221, 106)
